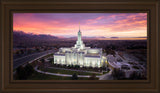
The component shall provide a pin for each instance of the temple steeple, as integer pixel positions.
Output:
(79, 43)
(79, 26)
(79, 34)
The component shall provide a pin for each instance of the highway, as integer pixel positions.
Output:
(20, 61)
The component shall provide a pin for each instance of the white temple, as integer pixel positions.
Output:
(79, 55)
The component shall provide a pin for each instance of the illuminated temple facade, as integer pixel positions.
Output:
(79, 55)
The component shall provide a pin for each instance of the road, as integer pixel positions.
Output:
(20, 61)
(107, 76)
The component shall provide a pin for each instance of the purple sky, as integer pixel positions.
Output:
(91, 24)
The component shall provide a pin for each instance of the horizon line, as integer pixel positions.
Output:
(73, 36)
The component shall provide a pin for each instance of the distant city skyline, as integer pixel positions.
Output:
(91, 24)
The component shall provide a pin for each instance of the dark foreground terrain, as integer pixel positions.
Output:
(25, 45)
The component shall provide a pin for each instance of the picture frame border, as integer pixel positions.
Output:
(8, 7)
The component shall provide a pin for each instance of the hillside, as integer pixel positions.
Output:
(21, 38)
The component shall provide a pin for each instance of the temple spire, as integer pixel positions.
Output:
(79, 34)
(79, 26)
(79, 43)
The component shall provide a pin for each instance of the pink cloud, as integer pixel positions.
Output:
(92, 21)
(114, 23)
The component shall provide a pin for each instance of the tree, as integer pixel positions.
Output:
(24, 72)
(44, 65)
(22, 51)
(118, 74)
(29, 69)
(42, 60)
(77, 66)
(112, 47)
(21, 73)
(51, 60)
(17, 52)
(74, 76)
(135, 75)
(93, 77)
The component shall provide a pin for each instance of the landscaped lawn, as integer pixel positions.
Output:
(40, 76)
(105, 72)
(60, 71)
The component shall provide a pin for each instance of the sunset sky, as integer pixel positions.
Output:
(91, 24)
